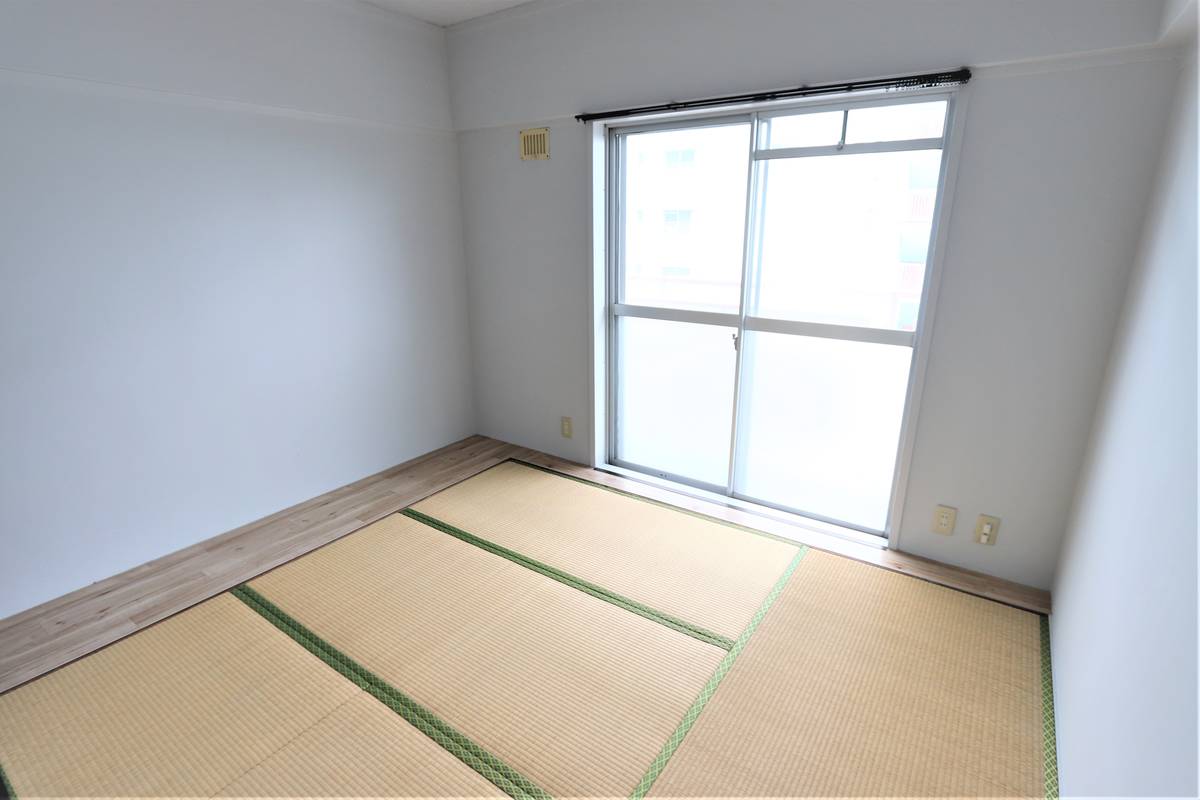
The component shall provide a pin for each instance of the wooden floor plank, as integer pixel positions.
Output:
(42, 638)
(47, 636)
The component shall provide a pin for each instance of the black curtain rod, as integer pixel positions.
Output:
(903, 82)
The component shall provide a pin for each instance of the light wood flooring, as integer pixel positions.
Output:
(42, 638)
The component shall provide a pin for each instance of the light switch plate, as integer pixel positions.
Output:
(944, 518)
(986, 529)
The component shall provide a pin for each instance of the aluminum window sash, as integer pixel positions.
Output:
(848, 149)
(873, 100)
(822, 330)
(766, 111)
(790, 327)
(676, 315)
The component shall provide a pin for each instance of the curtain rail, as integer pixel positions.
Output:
(924, 80)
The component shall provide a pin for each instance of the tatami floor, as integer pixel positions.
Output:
(529, 633)
(55, 633)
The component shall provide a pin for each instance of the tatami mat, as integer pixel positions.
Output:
(213, 699)
(856, 682)
(865, 683)
(709, 574)
(362, 749)
(573, 692)
(182, 708)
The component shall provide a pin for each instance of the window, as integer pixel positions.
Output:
(676, 158)
(766, 287)
(677, 220)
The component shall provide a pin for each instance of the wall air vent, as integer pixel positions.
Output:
(535, 144)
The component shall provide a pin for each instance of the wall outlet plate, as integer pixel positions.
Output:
(567, 428)
(944, 518)
(986, 529)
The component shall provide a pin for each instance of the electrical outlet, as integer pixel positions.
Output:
(944, 518)
(567, 430)
(986, 529)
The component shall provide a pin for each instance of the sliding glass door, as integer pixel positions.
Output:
(766, 284)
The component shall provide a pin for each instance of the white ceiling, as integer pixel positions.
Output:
(447, 12)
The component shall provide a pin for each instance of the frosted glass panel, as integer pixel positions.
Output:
(675, 397)
(895, 123)
(845, 238)
(684, 217)
(801, 130)
(821, 425)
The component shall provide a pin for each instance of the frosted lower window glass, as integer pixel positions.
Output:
(821, 422)
(675, 397)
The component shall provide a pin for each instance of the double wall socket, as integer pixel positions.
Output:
(944, 518)
(567, 428)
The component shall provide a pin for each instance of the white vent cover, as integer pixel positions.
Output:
(535, 144)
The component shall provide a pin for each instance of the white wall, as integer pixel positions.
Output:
(1124, 626)
(1052, 185)
(1056, 165)
(232, 270)
(556, 58)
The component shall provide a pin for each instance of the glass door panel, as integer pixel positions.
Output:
(845, 238)
(820, 425)
(683, 215)
(674, 397)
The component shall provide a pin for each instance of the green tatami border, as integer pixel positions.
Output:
(706, 693)
(489, 766)
(6, 787)
(599, 592)
(1049, 738)
(698, 515)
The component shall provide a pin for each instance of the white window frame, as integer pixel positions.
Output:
(606, 173)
